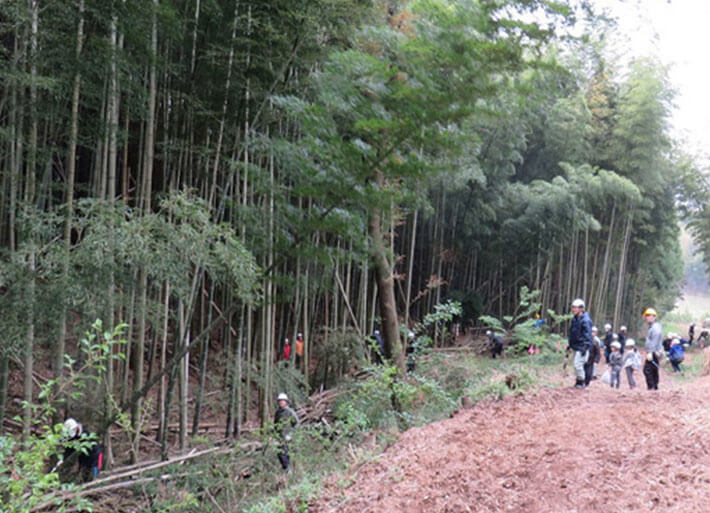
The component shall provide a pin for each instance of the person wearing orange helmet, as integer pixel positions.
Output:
(654, 348)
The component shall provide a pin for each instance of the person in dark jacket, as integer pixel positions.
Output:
(608, 339)
(580, 340)
(594, 358)
(676, 355)
(285, 420)
(691, 332)
(496, 343)
(81, 446)
(621, 337)
(379, 347)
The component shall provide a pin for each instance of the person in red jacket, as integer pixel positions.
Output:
(287, 350)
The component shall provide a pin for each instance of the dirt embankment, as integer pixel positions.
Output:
(556, 451)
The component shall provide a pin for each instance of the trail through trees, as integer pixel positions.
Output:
(558, 450)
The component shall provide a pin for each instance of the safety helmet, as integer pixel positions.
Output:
(489, 333)
(630, 343)
(578, 302)
(614, 336)
(650, 311)
(594, 329)
(675, 342)
(607, 327)
(72, 428)
(282, 397)
(623, 328)
(616, 345)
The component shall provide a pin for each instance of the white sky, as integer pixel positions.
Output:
(677, 33)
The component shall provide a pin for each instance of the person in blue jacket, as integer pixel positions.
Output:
(676, 355)
(580, 340)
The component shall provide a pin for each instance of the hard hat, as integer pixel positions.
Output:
(489, 333)
(578, 302)
(282, 397)
(623, 328)
(616, 345)
(630, 343)
(607, 326)
(650, 311)
(675, 342)
(615, 337)
(72, 428)
(594, 328)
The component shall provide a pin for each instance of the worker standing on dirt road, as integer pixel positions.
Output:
(593, 359)
(285, 420)
(608, 339)
(580, 340)
(654, 347)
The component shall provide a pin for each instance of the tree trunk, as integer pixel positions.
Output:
(622, 270)
(385, 287)
(4, 374)
(69, 201)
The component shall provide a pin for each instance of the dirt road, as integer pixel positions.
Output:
(555, 451)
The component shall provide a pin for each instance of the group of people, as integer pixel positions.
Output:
(299, 349)
(620, 351)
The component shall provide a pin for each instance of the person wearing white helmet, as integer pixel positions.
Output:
(623, 335)
(496, 343)
(677, 354)
(579, 340)
(81, 446)
(285, 420)
(632, 361)
(594, 358)
(654, 348)
(599, 345)
(615, 362)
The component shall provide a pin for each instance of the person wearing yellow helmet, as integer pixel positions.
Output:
(654, 348)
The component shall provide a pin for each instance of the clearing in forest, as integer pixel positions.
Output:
(553, 451)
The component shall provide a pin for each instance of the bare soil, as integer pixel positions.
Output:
(556, 450)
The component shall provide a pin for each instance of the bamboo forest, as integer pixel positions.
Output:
(214, 210)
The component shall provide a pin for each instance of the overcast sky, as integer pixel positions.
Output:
(676, 32)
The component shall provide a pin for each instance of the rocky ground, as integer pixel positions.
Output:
(556, 450)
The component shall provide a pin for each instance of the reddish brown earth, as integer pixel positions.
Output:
(554, 451)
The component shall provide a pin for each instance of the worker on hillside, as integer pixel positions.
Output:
(632, 361)
(580, 340)
(691, 332)
(299, 350)
(287, 350)
(379, 347)
(654, 348)
(82, 446)
(496, 343)
(285, 420)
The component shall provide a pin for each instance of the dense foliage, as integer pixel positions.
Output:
(222, 175)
